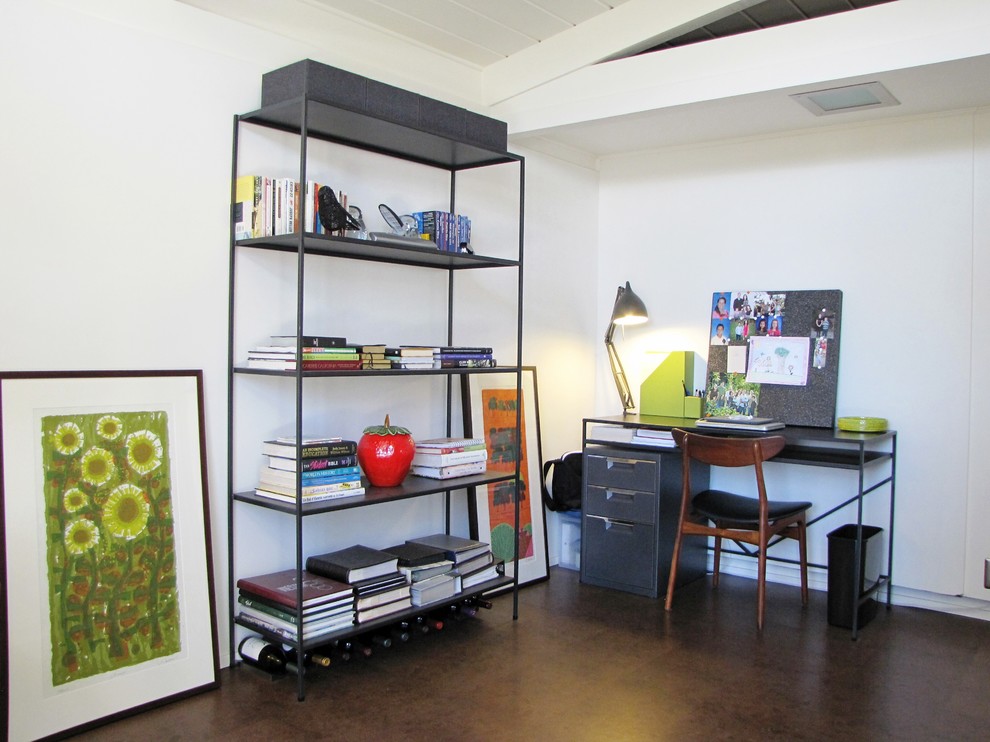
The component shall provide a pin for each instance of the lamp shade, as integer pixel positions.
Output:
(629, 309)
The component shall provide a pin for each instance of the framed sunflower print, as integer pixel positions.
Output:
(107, 583)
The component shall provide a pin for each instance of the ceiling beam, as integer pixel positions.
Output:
(630, 27)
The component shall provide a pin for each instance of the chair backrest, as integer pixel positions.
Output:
(717, 450)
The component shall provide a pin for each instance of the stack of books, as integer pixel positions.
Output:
(473, 560)
(651, 437)
(380, 589)
(463, 356)
(418, 561)
(412, 356)
(268, 603)
(319, 353)
(328, 469)
(438, 587)
(445, 458)
(373, 356)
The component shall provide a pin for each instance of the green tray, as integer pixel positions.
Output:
(862, 424)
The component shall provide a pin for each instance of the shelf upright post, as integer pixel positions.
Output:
(230, 396)
(300, 277)
(450, 341)
(890, 534)
(519, 363)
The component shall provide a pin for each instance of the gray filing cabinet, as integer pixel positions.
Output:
(630, 507)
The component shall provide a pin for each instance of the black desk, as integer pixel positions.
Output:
(860, 452)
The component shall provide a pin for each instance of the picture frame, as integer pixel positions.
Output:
(107, 587)
(490, 413)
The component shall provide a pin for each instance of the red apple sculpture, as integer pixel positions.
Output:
(385, 453)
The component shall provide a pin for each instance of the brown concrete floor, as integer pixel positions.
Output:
(585, 663)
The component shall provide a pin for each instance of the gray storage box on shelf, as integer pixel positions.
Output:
(843, 587)
(344, 89)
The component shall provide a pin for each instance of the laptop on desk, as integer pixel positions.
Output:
(740, 422)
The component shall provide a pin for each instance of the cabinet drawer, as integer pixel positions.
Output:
(622, 472)
(619, 554)
(621, 504)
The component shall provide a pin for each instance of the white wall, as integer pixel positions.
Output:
(116, 162)
(883, 212)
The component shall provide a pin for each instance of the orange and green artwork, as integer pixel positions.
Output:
(499, 418)
(110, 537)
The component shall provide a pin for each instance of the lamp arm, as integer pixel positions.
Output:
(619, 374)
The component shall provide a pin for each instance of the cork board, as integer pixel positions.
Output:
(775, 354)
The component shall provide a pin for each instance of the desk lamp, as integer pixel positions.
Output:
(628, 310)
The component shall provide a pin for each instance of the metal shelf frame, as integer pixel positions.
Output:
(313, 119)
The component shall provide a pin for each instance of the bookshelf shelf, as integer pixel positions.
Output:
(411, 487)
(378, 252)
(498, 584)
(361, 373)
(309, 117)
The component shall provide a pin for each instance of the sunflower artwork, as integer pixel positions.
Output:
(109, 525)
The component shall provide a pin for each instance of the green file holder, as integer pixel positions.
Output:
(664, 391)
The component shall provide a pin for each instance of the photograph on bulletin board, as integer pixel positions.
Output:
(774, 354)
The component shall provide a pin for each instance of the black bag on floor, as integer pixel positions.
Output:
(563, 491)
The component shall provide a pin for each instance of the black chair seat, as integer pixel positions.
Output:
(718, 505)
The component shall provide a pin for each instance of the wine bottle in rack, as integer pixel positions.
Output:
(310, 659)
(432, 623)
(377, 640)
(343, 653)
(357, 648)
(414, 627)
(262, 654)
(478, 602)
(400, 632)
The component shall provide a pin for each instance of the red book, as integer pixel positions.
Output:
(331, 365)
(280, 587)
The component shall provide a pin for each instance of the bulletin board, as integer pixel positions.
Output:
(775, 354)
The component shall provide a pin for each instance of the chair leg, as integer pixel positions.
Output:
(717, 561)
(761, 585)
(675, 557)
(803, 548)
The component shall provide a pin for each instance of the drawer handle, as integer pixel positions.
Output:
(620, 463)
(620, 496)
(618, 525)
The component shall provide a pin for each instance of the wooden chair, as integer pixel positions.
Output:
(742, 519)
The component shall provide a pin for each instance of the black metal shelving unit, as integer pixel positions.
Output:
(310, 118)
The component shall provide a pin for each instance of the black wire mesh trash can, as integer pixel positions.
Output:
(844, 590)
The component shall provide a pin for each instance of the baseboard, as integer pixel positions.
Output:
(788, 574)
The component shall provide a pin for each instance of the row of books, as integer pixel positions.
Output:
(325, 353)
(358, 584)
(429, 357)
(328, 469)
(451, 232)
(265, 206)
(446, 458)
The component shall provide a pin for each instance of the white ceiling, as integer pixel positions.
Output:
(525, 53)
(479, 32)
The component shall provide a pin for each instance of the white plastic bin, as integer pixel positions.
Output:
(570, 539)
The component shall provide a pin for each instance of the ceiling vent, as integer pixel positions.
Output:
(846, 98)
